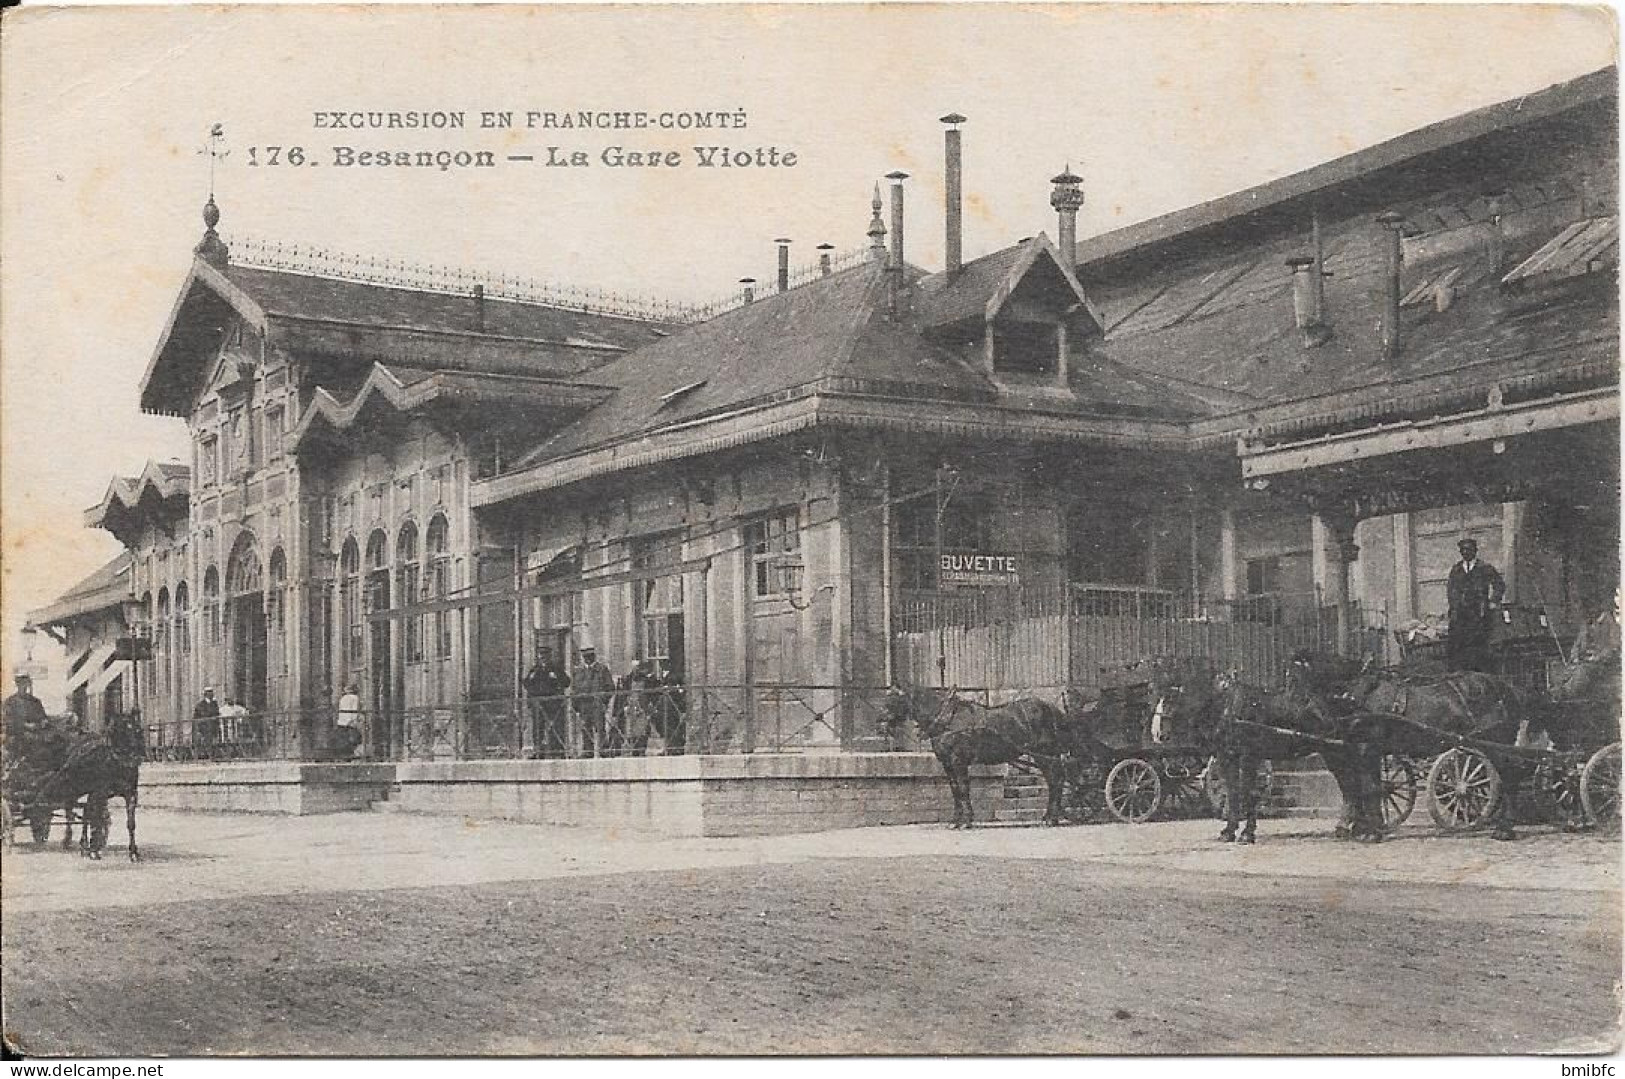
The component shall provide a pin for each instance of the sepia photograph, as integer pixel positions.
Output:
(810, 530)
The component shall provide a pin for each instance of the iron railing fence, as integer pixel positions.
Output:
(666, 720)
(1014, 639)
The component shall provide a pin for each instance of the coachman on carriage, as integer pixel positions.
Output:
(51, 768)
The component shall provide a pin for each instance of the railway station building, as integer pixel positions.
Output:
(1252, 425)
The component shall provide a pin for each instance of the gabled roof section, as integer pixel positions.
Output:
(387, 391)
(107, 588)
(981, 288)
(388, 323)
(163, 487)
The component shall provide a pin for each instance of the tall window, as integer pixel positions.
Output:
(439, 554)
(183, 620)
(406, 578)
(273, 432)
(775, 552)
(276, 602)
(350, 602)
(160, 641)
(211, 606)
(659, 599)
(966, 526)
(208, 459)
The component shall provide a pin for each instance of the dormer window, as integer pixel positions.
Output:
(1026, 348)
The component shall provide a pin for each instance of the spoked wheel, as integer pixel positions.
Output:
(1133, 790)
(1463, 787)
(1218, 792)
(1400, 784)
(1599, 787)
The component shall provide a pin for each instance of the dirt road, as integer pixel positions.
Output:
(244, 935)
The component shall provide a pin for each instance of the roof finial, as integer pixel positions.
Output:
(211, 248)
(877, 230)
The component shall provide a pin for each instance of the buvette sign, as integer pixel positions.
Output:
(975, 569)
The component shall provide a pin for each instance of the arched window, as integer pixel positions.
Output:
(183, 624)
(160, 640)
(274, 601)
(378, 550)
(350, 602)
(211, 606)
(438, 551)
(243, 567)
(406, 578)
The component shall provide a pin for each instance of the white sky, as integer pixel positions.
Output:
(1156, 107)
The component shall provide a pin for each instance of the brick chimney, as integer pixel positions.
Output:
(749, 284)
(784, 263)
(954, 214)
(1393, 263)
(823, 259)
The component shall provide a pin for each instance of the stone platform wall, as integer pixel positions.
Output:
(754, 794)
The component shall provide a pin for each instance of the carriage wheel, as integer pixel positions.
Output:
(1400, 783)
(1133, 790)
(1599, 787)
(1463, 787)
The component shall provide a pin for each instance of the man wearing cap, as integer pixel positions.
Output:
(25, 718)
(593, 686)
(206, 723)
(1474, 590)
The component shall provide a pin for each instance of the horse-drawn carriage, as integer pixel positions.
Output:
(53, 773)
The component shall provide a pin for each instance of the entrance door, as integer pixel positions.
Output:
(250, 666)
(381, 668)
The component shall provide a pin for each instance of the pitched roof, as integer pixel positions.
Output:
(836, 329)
(405, 327)
(360, 303)
(108, 587)
(1344, 180)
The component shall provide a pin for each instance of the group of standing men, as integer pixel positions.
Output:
(615, 717)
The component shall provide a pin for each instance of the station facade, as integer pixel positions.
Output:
(1259, 423)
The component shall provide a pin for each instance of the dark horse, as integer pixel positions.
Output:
(963, 733)
(1435, 711)
(1242, 726)
(95, 768)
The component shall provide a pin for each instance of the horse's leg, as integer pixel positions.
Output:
(1503, 814)
(130, 798)
(84, 826)
(1230, 768)
(1249, 793)
(1055, 776)
(945, 759)
(96, 820)
(963, 767)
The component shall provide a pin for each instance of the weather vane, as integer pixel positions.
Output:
(217, 135)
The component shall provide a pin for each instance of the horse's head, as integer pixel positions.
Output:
(1182, 695)
(126, 736)
(915, 704)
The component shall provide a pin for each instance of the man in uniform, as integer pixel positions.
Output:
(26, 724)
(544, 693)
(1475, 591)
(594, 686)
(206, 724)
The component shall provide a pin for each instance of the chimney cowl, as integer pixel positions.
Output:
(824, 266)
(1067, 199)
(749, 284)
